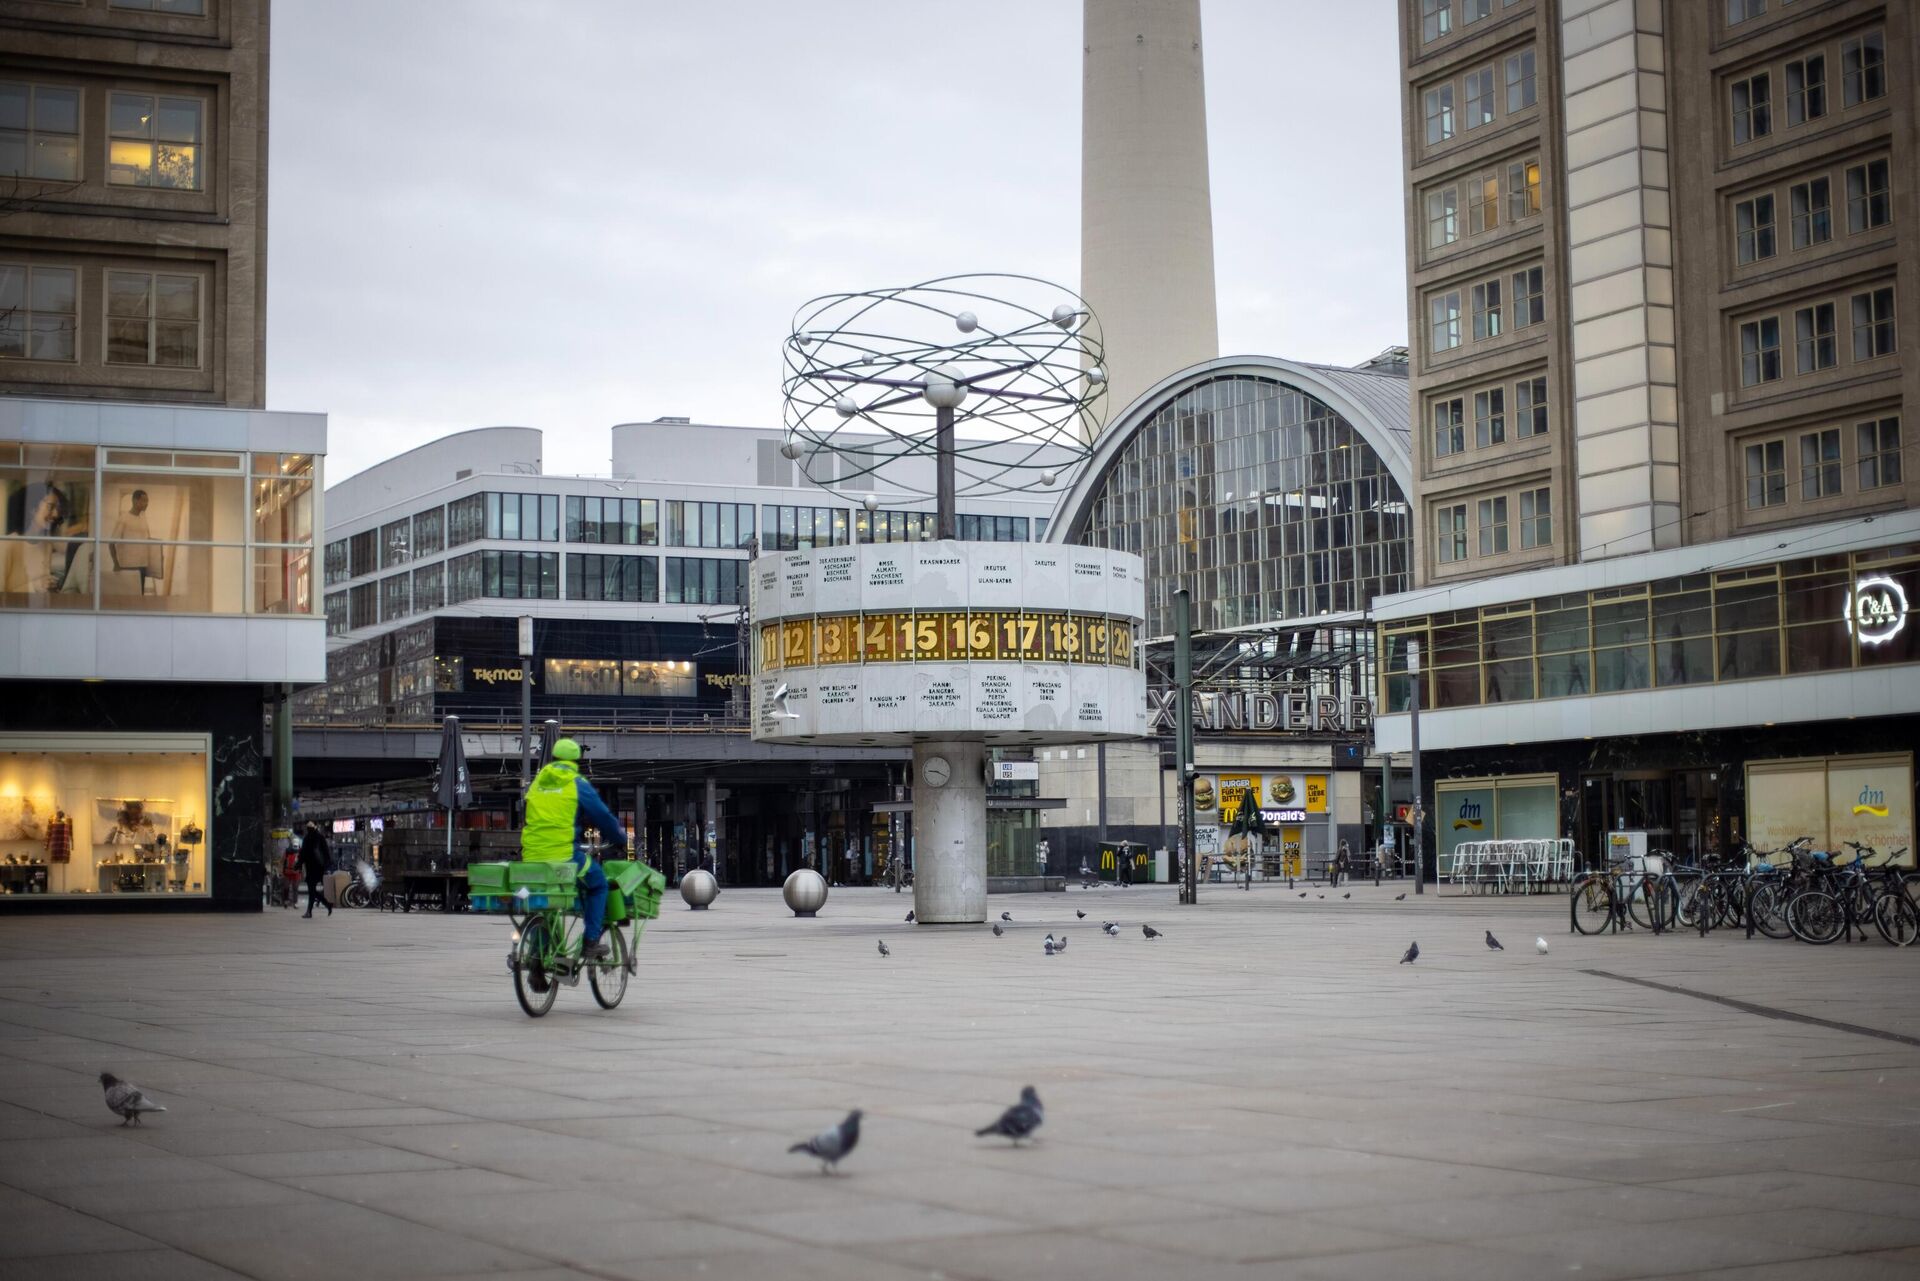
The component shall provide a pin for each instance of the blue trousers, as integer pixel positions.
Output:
(593, 895)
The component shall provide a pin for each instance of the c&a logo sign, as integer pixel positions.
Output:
(1468, 817)
(1872, 801)
(1877, 610)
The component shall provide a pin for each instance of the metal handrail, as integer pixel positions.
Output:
(507, 720)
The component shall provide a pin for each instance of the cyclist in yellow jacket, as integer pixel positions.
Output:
(561, 806)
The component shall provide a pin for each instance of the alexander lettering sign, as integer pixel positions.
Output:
(1282, 709)
(1877, 610)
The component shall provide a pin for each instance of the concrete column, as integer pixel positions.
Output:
(950, 835)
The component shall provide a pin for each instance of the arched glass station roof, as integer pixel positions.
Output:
(1276, 492)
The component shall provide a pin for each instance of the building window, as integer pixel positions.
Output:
(1483, 203)
(1439, 107)
(39, 312)
(1452, 530)
(1806, 89)
(1536, 518)
(153, 319)
(1490, 417)
(39, 132)
(1877, 446)
(1867, 202)
(991, 529)
(363, 605)
(463, 578)
(1493, 526)
(466, 521)
(396, 541)
(1767, 474)
(1873, 324)
(702, 581)
(430, 532)
(1812, 208)
(530, 518)
(1474, 10)
(1523, 190)
(520, 575)
(364, 553)
(396, 597)
(788, 529)
(1753, 224)
(1739, 11)
(1530, 407)
(1752, 108)
(615, 578)
(632, 521)
(1815, 347)
(1443, 217)
(690, 524)
(1520, 81)
(336, 562)
(1819, 464)
(1759, 351)
(1449, 427)
(1863, 68)
(1436, 20)
(1486, 310)
(1529, 297)
(336, 603)
(1444, 315)
(1479, 98)
(154, 141)
(429, 588)
(896, 527)
(193, 8)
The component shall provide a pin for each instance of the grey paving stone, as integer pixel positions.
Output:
(120, 1265)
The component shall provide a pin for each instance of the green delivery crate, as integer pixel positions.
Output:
(538, 885)
(487, 886)
(642, 886)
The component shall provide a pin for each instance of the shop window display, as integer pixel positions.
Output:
(100, 815)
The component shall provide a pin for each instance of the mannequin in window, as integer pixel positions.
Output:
(60, 838)
(36, 511)
(132, 548)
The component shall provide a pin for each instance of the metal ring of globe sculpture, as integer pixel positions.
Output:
(947, 647)
(699, 888)
(805, 891)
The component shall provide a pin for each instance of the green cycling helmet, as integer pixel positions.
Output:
(566, 750)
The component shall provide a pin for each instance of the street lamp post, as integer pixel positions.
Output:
(526, 702)
(1419, 791)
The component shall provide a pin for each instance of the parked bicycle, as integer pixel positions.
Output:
(1623, 896)
(1838, 899)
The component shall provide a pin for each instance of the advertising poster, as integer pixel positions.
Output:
(1462, 815)
(1870, 801)
(1236, 790)
(1316, 793)
(1786, 801)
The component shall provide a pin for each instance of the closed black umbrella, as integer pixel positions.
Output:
(549, 735)
(452, 785)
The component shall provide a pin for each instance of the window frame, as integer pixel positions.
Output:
(1450, 531)
(1878, 328)
(1523, 189)
(1861, 206)
(152, 320)
(1533, 417)
(1478, 107)
(1863, 68)
(1754, 120)
(1528, 302)
(202, 159)
(23, 317)
(1536, 518)
(1488, 309)
(1755, 238)
(1449, 427)
(31, 133)
(1767, 481)
(1808, 101)
(1437, 108)
(1441, 214)
(1445, 314)
(1490, 417)
(1755, 363)
(1522, 80)
(1820, 477)
(1812, 223)
(1873, 456)
(1490, 524)
(1815, 348)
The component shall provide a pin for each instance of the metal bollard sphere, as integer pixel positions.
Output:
(698, 888)
(805, 892)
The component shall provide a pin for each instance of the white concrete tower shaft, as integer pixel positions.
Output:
(1146, 212)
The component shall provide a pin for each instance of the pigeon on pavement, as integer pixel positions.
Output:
(1493, 944)
(1398, 897)
(1019, 1121)
(909, 918)
(1149, 931)
(1413, 954)
(1006, 916)
(831, 1144)
(1348, 894)
(1080, 914)
(883, 948)
(1113, 931)
(997, 931)
(1319, 896)
(1060, 944)
(1047, 946)
(1303, 893)
(1540, 945)
(126, 1100)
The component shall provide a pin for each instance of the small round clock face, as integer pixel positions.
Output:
(936, 771)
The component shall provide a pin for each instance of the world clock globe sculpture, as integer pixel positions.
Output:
(966, 387)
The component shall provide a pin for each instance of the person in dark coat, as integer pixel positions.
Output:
(315, 859)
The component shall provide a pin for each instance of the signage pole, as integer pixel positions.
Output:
(526, 703)
(1183, 754)
(1419, 808)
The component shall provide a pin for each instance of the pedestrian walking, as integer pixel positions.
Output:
(315, 859)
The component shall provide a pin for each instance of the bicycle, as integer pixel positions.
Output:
(1622, 896)
(1838, 898)
(540, 901)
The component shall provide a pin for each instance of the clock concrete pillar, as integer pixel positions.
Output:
(950, 833)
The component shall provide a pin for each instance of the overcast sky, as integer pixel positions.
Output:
(571, 214)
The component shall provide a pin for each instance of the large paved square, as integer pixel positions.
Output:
(1263, 1092)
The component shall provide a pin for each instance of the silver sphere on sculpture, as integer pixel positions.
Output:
(698, 888)
(966, 322)
(1047, 478)
(805, 892)
(790, 450)
(871, 503)
(845, 407)
(1063, 315)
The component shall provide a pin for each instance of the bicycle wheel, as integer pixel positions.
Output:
(532, 986)
(1693, 901)
(1768, 905)
(1896, 918)
(608, 978)
(1816, 916)
(1592, 905)
(1651, 903)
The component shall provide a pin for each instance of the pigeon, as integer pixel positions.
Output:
(1113, 931)
(126, 1099)
(1540, 945)
(1303, 893)
(884, 951)
(1149, 931)
(833, 1143)
(1493, 944)
(1413, 954)
(1399, 897)
(1006, 916)
(997, 931)
(1050, 937)
(1077, 912)
(1348, 894)
(909, 918)
(1320, 896)
(1047, 946)
(1019, 1121)
(1060, 944)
